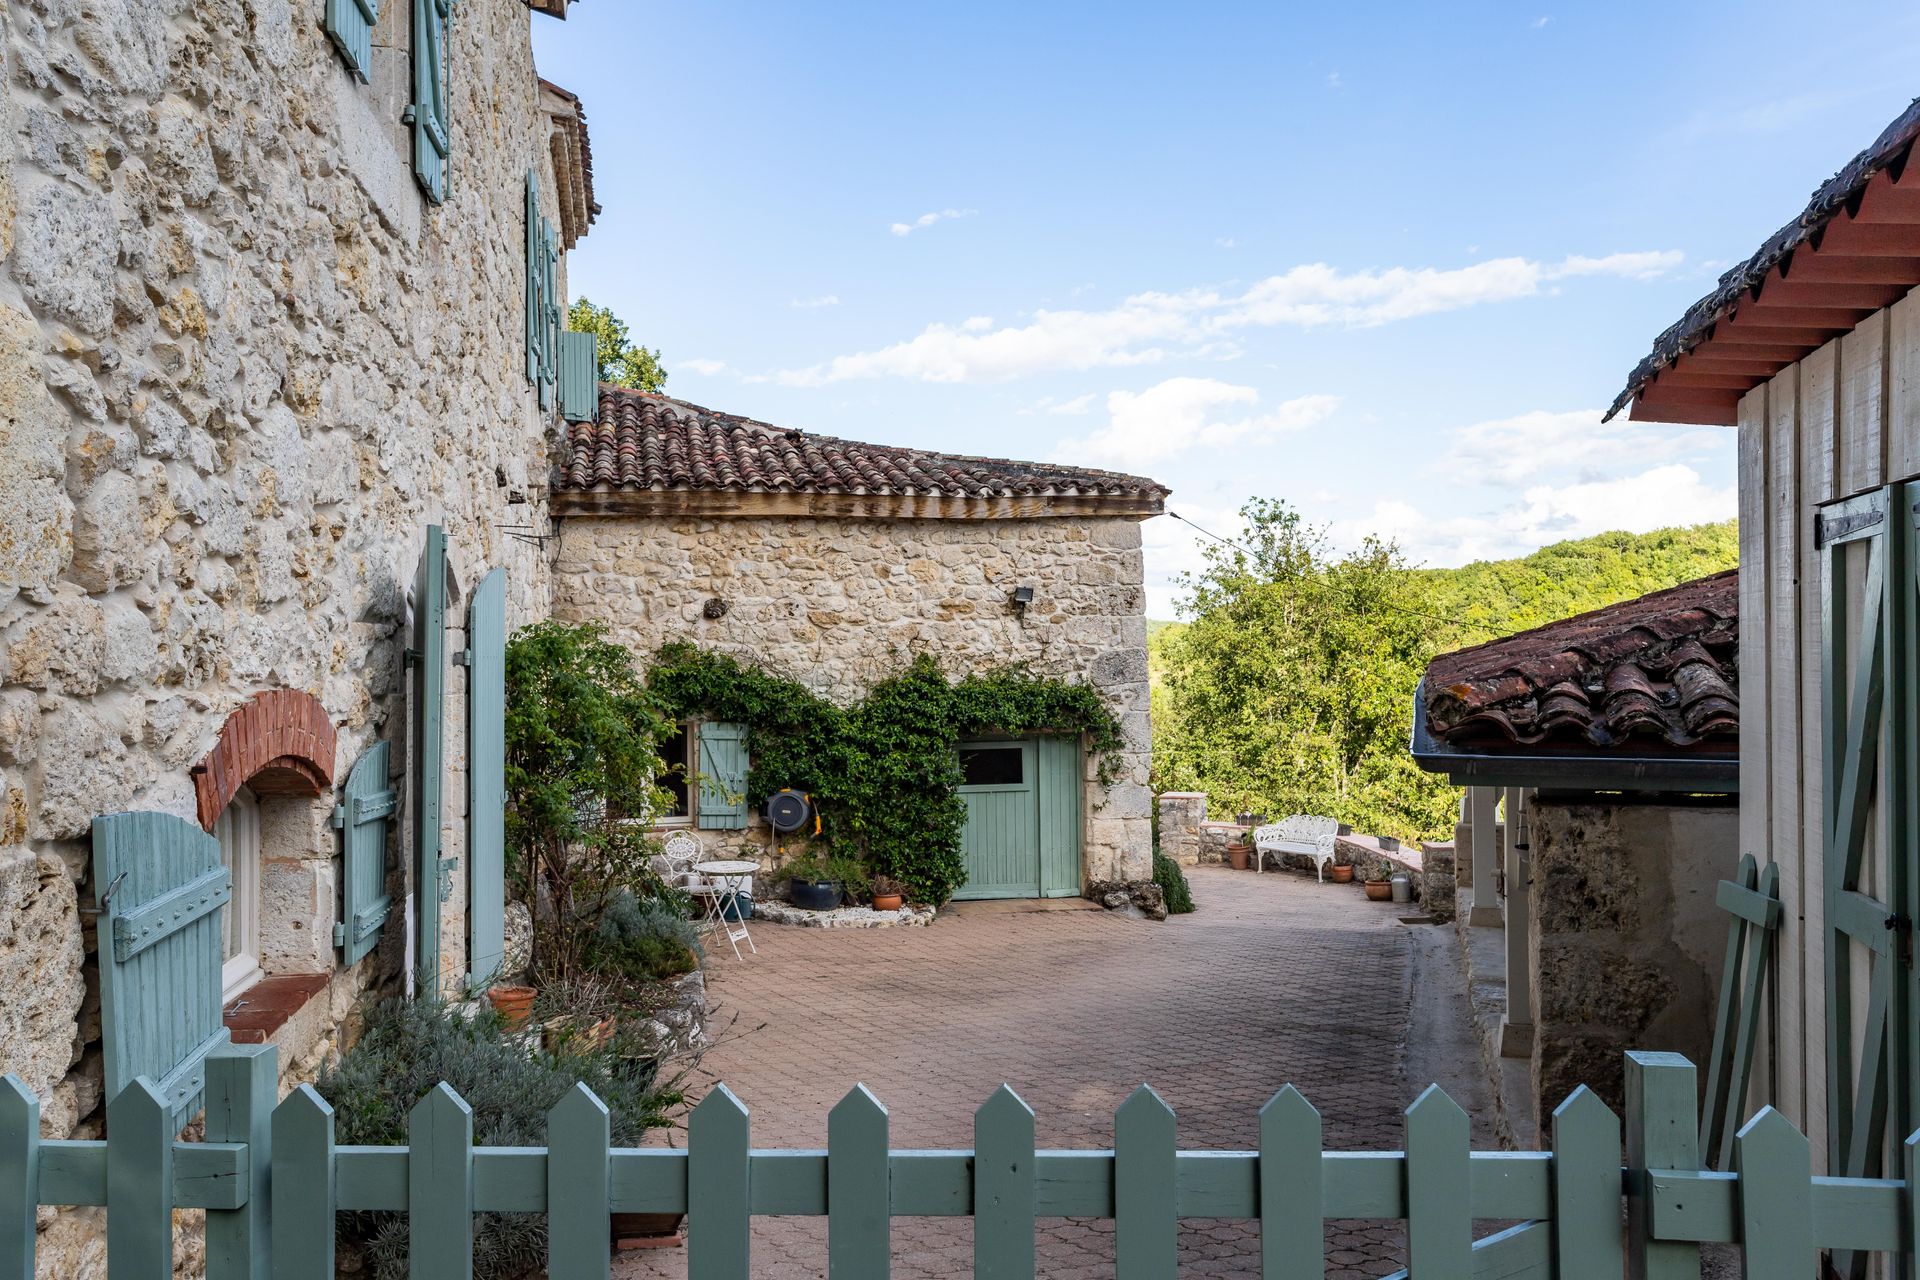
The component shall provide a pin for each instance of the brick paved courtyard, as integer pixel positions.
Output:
(1274, 979)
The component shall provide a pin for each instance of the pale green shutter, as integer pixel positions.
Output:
(432, 137)
(161, 887)
(550, 314)
(429, 658)
(579, 377)
(723, 776)
(487, 777)
(536, 268)
(365, 810)
(349, 24)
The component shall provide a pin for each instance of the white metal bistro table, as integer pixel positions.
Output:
(729, 877)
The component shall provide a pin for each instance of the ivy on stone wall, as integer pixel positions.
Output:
(883, 771)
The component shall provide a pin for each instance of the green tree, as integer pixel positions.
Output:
(622, 363)
(581, 731)
(1291, 690)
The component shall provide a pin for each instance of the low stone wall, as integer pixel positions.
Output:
(1439, 884)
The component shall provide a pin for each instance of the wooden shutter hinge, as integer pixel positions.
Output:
(338, 820)
(412, 657)
(409, 114)
(463, 657)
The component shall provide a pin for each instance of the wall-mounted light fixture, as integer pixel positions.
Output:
(1022, 597)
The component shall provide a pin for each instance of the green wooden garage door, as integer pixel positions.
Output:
(1022, 838)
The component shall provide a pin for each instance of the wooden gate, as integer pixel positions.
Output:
(1001, 841)
(272, 1179)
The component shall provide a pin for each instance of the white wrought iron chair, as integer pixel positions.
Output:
(1304, 835)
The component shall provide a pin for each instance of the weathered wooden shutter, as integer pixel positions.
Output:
(349, 24)
(428, 657)
(161, 886)
(487, 777)
(579, 377)
(366, 807)
(536, 305)
(723, 776)
(1866, 605)
(432, 137)
(551, 324)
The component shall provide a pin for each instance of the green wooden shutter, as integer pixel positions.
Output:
(535, 265)
(349, 24)
(579, 377)
(366, 808)
(487, 777)
(429, 658)
(161, 887)
(723, 776)
(550, 314)
(432, 138)
(1863, 580)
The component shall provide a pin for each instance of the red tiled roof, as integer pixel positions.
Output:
(651, 442)
(1661, 671)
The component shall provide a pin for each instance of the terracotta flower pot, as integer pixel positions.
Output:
(1379, 890)
(1239, 856)
(886, 902)
(1340, 873)
(513, 1004)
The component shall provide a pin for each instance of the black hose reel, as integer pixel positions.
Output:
(788, 811)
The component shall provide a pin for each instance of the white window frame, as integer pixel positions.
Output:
(238, 831)
(689, 777)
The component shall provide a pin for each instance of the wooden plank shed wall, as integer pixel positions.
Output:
(1844, 420)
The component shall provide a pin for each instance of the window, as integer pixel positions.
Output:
(992, 766)
(677, 752)
(238, 831)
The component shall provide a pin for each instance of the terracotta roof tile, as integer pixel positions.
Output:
(644, 441)
(1660, 670)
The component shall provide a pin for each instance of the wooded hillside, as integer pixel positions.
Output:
(1290, 688)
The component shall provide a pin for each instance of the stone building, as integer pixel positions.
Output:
(1811, 347)
(1601, 757)
(835, 562)
(277, 295)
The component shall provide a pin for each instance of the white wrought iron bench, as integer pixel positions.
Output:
(1302, 834)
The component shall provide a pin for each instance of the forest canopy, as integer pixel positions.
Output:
(1290, 688)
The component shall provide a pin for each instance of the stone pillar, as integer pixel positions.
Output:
(1483, 835)
(1181, 813)
(1516, 1027)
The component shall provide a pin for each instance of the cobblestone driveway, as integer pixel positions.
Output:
(1274, 979)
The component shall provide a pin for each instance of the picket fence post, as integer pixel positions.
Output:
(303, 1187)
(1586, 1189)
(579, 1181)
(1003, 1188)
(440, 1187)
(1775, 1163)
(242, 1085)
(1662, 1133)
(19, 1177)
(140, 1133)
(859, 1189)
(1146, 1212)
(719, 1216)
(1439, 1187)
(1292, 1232)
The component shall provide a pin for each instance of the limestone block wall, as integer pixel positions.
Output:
(1626, 941)
(242, 365)
(840, 604)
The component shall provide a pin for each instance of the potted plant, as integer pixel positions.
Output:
(886, 894)
(1390, 843)
(1341, 872)
(1239, 852)
(818, 883)
(514, 1004)
(1379, 883)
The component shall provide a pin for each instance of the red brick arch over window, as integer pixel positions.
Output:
(279, 744)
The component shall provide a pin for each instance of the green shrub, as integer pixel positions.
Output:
(643, 939)
(1173, 884)
(408, 1047)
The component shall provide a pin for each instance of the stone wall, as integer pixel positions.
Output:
(1626, 941)
(242, 365)
(839, 604)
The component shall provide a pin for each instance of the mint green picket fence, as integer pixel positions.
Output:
(271, 1179)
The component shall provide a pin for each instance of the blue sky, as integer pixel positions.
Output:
(1387, 262)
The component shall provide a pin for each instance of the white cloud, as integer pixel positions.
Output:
(703, 367)
(1531, 446)
(1182, 414)
(928, 219)
(1656, 498)
(1149, 327)
(1171, 548)
(810, 304)
(1333, 80)
(1539, 23)
(1054, 405)
(1226, 242)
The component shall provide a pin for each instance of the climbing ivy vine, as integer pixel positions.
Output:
(884, 771)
